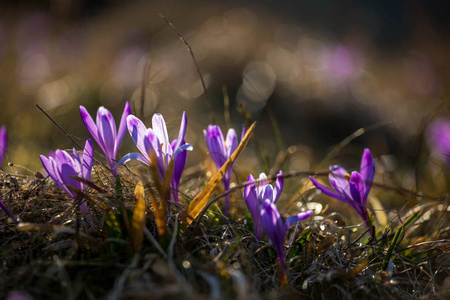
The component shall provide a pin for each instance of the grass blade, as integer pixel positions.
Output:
(394, 243)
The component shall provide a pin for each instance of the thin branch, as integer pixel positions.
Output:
(188, 47)
(270, 114)
(60, 127)
(145, 73)
(226, 106)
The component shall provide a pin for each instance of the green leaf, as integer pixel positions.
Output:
(304, 237)
(300, 244)
(394, 243)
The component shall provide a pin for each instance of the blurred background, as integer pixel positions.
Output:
(323, 70)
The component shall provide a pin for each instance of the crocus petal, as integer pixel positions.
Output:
(62, 157)
(180, 157)
(266, 194)
(329, 192)
(250, 178)
(96, 131)
(54, 172)
(160, 129)
(88, 159)
(179, 162)
(367, 170)
(231, 142)
(49, 166)
(106, 131)
(339, 180)
(358, 190)
(183, 147)
(89, 123)
(77, 164)
(66, 173)
(262, 183)
(153, 144)
(122, 127)
(214, 142)
(298, 217)
(252, 203)
(3, 143)
(137, 131)
(279, 183)
(131, 156)
(243, 132)
(182, 132)
(274, 227)
(64, 167)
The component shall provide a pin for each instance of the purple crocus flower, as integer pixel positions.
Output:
(156, 140)
(256, 194)
(275, 228)
(61, 166)
(3, 143)
(220, 151)
(104, 131)
(439, 139)
(352, 189)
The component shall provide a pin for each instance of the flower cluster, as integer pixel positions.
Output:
(63, 167)
(71, 170)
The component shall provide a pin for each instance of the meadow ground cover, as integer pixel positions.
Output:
(343, 215)
(143, 229)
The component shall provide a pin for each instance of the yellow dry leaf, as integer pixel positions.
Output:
(160, 214)
(196, 206)
(356, 270)
(138, 220)
(38, 227)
